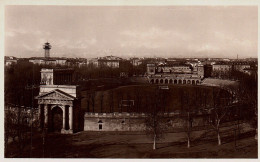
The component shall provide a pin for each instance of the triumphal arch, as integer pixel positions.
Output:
(58, 101)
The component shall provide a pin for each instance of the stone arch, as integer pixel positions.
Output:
(180, 82)
(184, 81)
(170, 81)
(188, 82)
(197, 82)
(152, 81)
(157, 81)
(166, 81)
(193, 82)
(175, 81)
(56, 118)
(161, 81)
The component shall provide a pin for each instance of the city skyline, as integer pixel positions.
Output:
(168, 31)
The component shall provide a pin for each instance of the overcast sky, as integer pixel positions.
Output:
(88, 31)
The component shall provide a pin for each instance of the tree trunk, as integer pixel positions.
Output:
(188, 133)
(154, 142)
(188, 142)
(219, 139)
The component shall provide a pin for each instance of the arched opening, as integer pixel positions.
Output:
(170, 81)
(161, 81)
(56, 119)
(152, 81)
(100, 125)
(188, 81)
(166, 81)
(193, 81)
(197, 82)
(184, 81)
(175, 81)
(156, 81)
(180, 82)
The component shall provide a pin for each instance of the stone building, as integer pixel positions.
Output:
(109, 61)
(58, 101)
(174, 74)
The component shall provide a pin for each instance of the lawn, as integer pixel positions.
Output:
(139, 145)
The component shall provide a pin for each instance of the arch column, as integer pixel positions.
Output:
(63, 118)
(71, 117)
(45, 115)
(39, 112)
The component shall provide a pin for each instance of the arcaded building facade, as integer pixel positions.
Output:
(175, 74)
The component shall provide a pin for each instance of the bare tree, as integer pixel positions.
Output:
(186, 113)
(219, 110)
(154, 121)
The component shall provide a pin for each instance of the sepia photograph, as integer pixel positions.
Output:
(142, 82)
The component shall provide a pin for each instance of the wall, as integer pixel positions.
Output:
(132, 122)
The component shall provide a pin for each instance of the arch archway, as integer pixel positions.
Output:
(152, 81)
(188, 82)
(197, 82)
(56, 119)
(175, 81)
(170, 81)
(180, 81)
(156, 81)
(161, 81)
(184, 81)
(193, 82)
(166, 81)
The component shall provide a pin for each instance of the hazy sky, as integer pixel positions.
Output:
(89, 31)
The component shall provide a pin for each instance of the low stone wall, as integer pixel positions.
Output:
(114, 122)
(133, 121)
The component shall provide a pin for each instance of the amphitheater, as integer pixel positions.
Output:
(69, 109)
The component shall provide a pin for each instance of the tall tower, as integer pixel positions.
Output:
(47, 48)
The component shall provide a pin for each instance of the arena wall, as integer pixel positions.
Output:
(133, 121)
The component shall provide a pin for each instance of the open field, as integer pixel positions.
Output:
(138, 145)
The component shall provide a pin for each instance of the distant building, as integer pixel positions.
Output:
(136, 61)
(9, 60)
(174, 74)
(240, 66)
(109, 61)
(221, 70)
(224, 69)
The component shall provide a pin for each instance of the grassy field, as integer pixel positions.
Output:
(139, 145)
(143, 94)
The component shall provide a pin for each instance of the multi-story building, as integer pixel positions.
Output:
(109, 61)
(136, 61)
(174, 74)
(224, 69)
